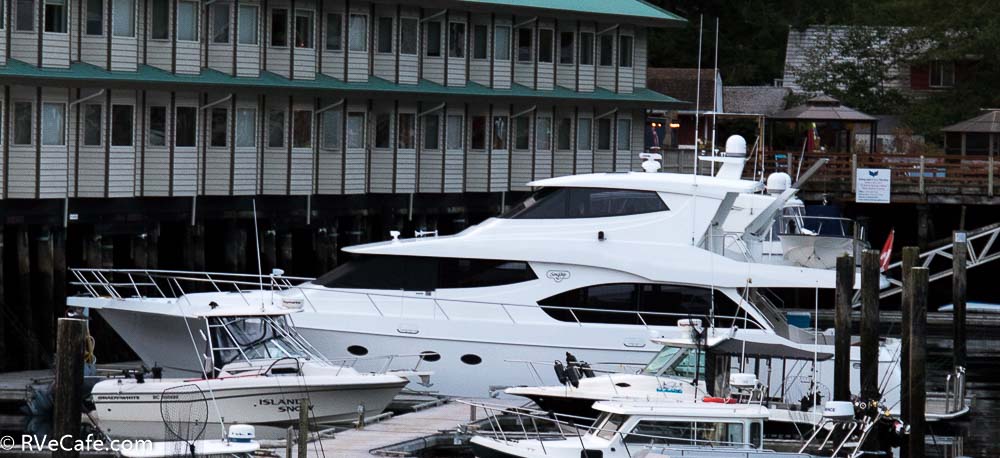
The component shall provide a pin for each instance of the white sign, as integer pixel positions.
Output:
(873, 186)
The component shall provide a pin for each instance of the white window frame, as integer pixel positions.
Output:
(197, 128)
(378, 36)
(364, 42)
(311, 14)
(197, 22)
(256, 25)
(34, 17)
(62, 136)
(237, 123)
(31, 122)
(939, 67)
(229, 22)
(65, 24)
(135, 19)
(111, 113)
(83, 124)
(170, 30)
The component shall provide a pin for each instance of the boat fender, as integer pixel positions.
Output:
(560, 372)
(718, 400)
(573, 376)
(587, 370)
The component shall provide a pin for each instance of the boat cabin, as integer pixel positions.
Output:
(684, 425)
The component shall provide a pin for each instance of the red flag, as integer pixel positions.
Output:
(886, 254)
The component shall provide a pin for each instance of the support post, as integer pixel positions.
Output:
(918, 355)
(30, 351)
(68, 387)
(289, 441)
(842, 325)
(869, 333)
(910, 257)
(45, 313)
(303, 427)
(958, 282)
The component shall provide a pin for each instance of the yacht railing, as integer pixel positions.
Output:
(123, 284)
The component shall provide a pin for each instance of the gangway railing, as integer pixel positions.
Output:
(981, 247)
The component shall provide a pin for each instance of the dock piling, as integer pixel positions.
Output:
(910, 256)
(842, 325)
(870, 334)
(917, 303)
(958, 290)
(303, 427)
(67, 391)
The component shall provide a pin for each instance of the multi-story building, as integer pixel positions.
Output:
(143, 98)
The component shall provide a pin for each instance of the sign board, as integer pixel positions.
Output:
(873, 186)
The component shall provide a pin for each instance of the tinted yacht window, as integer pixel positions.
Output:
(558, 203)
(415, 273)
(623, 303)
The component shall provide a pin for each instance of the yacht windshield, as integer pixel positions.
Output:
(608, 424)
(676, 362)
(564, 203)
(254, 338)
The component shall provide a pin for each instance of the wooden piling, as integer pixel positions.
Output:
(58, 235)
(31, 353)
(918, 356)
(45, 311)
(910, 256)
(67, 392)
(869, 333)
(842, 326)
(958, 289)
(303, 427)
(4, 310)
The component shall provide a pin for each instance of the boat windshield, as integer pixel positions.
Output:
(607, 424)
(254, 338)
(690, 433)
(561, 203)
(676, 362)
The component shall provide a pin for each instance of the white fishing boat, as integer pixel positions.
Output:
(257, 370)
(240, 442)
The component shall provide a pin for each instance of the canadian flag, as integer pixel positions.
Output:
(886, 254)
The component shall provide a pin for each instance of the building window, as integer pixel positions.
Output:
(355, 130)
(583, 134)
(432, 132)
(160, 20)
(248, 25)
(566, 48)
(358, 33)
(499, 132)
(603, 134)
(408, 36)
(384, 44)
(564, 133)
(383, 123)
(220, 22)
(407, 130)
(456, 39)
(95, 17)
(302, 129)
(23, 119)
(276, 129)
(220, 127)
(625, 51)
(454, 140)
(93, 120)
(480, 41)
(186, 127)
(123, 18)
(157, 126)
(434, 39)
(279, 27)
(942, 73)
(303, 29)
(246, 127)
(586, 48)
(545, 45)
(624, 134)
(522, 132)
(524, 45)
(53, 124)
(187, 21)
(501, 43)
(331, 130)
(607, 50)
(121, 125)
(479, 132)
(334, 32)
(55, 16)
(25, 14)
(543, 134)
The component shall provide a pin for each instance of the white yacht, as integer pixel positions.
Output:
(593, 264)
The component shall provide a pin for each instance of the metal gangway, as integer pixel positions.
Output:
(980, 246)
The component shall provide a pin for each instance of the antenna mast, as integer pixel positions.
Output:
(697, 97)
(715, 91)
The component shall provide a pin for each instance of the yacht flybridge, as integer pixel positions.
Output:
(594, 264)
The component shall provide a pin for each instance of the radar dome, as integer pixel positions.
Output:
(736, 145)
(778, 182)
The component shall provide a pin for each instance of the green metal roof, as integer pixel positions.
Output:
(90, 75)
(630, 8)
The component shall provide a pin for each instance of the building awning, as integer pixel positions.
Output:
(823, 108)
(152, 78)
(986, 123)
(630, 11)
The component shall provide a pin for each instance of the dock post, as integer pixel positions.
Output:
(44, 282)
(67, 391)
(289, 441)
(918, 356)
(910, 256)
(842, 325)
(303, 427)
(869, 333)
(31, 353)
(959, 254)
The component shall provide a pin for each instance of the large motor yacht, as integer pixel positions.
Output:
(594, 264)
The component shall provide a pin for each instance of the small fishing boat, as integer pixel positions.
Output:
(257, 370)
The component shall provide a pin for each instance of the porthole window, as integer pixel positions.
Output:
(430, 356)
(471, 359)
(357, 350)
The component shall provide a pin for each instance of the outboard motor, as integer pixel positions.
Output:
(560, 372)
(587, 370)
